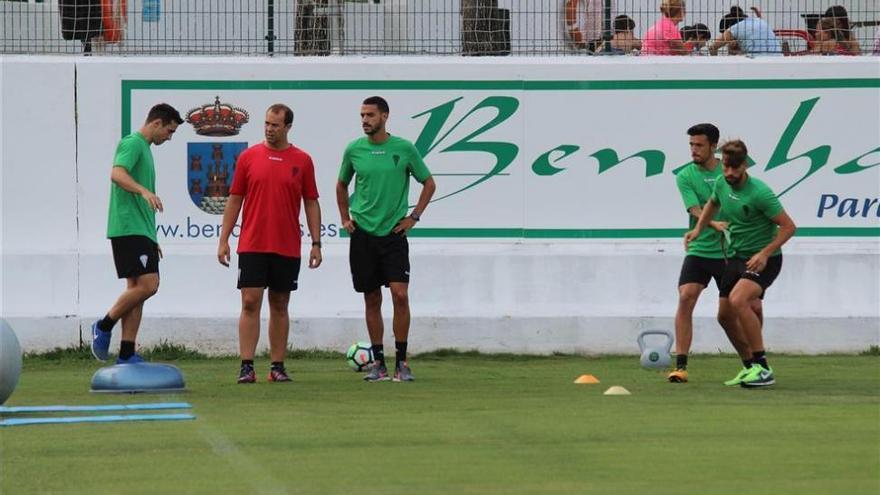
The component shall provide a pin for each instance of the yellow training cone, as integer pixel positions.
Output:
(586, 379)
(617, 390)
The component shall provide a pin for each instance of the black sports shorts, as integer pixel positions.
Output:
(377, 260)
(278, 273)
(699, 270)
(736, 269)
(134, 255)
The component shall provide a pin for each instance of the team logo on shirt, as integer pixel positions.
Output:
(209, 169)
(396, 159)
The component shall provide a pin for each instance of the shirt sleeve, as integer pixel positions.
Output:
(239, 178)
(127, 154)
(688, 195)
(769, 203)
(309, 187)
(714, 196)
(417, 166)
(346, 170)
(737, 30)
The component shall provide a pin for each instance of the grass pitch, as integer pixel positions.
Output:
(468, 425)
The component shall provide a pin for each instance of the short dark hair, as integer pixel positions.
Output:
(734, 153)
(709, 130)
(280, 107)
(380, 103)
(623, 23)
(164, 112)
(841, 22)
(730, 19)
(701, 31)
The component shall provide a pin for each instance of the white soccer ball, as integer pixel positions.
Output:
(359, 356)
(10, 361)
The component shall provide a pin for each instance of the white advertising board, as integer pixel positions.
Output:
(553, 159)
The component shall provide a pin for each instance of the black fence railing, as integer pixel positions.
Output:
(439, 27)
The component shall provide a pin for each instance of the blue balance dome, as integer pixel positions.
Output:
(140, 377)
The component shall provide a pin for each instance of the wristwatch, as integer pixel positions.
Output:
(415, 216)
(316, 243)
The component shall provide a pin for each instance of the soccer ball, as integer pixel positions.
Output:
(359, 356)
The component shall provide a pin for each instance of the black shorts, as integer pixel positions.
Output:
(134, 255)
(699, 270)
(736, 269)
(278, 273)
(377, 260)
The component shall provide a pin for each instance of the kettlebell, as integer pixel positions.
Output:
(655, 356)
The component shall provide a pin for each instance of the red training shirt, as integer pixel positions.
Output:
(273, 184)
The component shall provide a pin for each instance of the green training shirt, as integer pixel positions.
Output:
(381, 186)
(130, 214)
(695, 185)
(749, 210)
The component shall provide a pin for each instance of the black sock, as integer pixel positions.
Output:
(247, 362)
(277, 365)
(379, 354)
(681, 361)
(747, 363)
(106, 323)
(126, 349)
(401, 352)
(760, 358)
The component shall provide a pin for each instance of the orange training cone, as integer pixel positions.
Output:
(586, 379)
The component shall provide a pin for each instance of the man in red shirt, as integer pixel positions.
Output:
(271, 179)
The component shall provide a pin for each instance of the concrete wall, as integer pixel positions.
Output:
(533, 287)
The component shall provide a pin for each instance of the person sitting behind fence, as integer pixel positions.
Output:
(877, 44)
(696, 38)
(663, 37)
(752, 34)
(841, 31)
(825, 42)
(624, 40)
(724, 24)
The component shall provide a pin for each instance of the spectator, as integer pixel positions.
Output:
(663, 38)
(729, 19)
(585, 26)
(825, 42)
(696, 38)
(624, 40)
(841, 31)
(752, 35)
(877, 44)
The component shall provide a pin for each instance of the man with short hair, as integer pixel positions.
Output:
(705, 258)
(759, 226)
(131, 228)
(375, 218)
(272, 179)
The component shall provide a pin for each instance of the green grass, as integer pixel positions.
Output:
(470, 425)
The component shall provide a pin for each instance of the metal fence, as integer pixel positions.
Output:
(436, 27)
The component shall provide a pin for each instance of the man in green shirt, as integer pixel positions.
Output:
(131, 228)
(759, 227)
(376, 219)
(705, 258)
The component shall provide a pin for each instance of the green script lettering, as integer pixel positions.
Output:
(654, 160)
(504, 153)
(853, 165)
(818, 156)
(542, 165)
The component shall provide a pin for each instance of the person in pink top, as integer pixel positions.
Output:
(663, 38)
